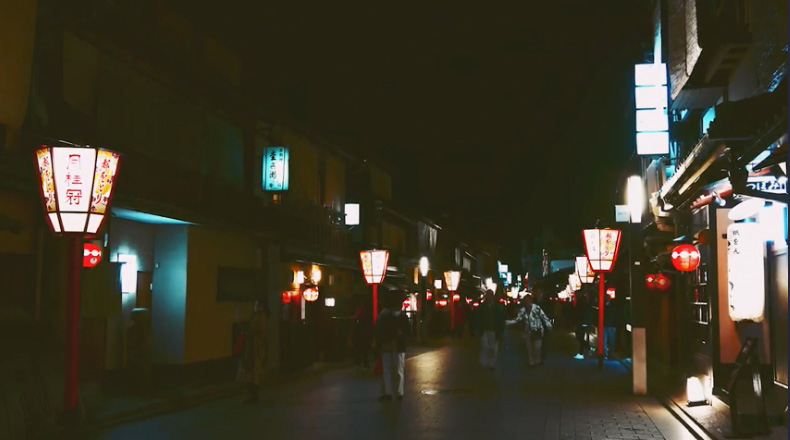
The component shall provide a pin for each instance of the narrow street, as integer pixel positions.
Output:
(448, 396)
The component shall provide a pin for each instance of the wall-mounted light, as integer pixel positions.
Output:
(329, 302)
(299, 277)
(315, 275)
(128, 272)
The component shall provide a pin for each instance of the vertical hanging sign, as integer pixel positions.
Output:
(745, 272)
(275, 169)
(652, 122)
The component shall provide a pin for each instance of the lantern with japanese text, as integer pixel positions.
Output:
(76, 186)
(663, 282)
(685, 257)
(601, 246)
(374, 269)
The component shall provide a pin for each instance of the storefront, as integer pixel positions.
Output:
(728, 198)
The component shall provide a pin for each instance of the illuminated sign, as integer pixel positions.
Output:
(745, 272)
(652, 123)
(352, 214)
(769, 184)
(275, 169)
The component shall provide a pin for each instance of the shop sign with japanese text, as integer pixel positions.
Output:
(275, 169)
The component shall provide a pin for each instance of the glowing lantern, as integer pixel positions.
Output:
(441, 303)
(601, 246)
(310, 294)
(285, 297)
(374, 268)
(456, 297)
(428, 295)
(650, 281)
(663, 282)
(610, 292)
(475, 304)
(685, 257)
(451, 280)
(91, 255)
(469, 300)
(406, 304)
(76, 185)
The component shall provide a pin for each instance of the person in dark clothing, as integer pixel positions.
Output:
(492, 329)
(392, 330)
(610, 326)
(362, 335)
(583, 318)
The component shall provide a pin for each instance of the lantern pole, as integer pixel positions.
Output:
(601, 294)
(452, 311)
(375, 303)
(72, 326)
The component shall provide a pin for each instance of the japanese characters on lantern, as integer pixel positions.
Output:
(745, 272)
(374, 265)
(601, 246)
(76, 186)
(275, 174)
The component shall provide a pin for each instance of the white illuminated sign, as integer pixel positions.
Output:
(275, 169)
(652, 123)
(128, 273)
(352, 214)
(745, 272)
(771, 184)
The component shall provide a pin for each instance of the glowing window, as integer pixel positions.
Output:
(128, 273)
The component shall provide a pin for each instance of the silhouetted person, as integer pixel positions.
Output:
(492, 328)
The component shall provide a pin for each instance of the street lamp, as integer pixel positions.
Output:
(424, 266)
(374, 268)
(76, 185)
(601, 246)
(451, 280)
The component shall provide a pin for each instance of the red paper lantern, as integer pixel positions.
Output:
(611, 292)
(286, 297)
(91, 255)
(650, 281)
(663, 282)
(428, 295)
(441, 303)
(456, 297)
(310, 294)
(685, 257)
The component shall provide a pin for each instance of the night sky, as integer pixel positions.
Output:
(504, 119)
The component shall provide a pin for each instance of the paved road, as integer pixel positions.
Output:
(448, 396)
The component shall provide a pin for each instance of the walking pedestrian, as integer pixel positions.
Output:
(609, 327)
(392, 330)
(535, 324)
(362, 335)
(492, 328)
(253, 351)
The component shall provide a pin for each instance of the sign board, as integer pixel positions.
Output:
(745, 272)
(651, 97)
(352, 214)
(275, 169)
(621, 213)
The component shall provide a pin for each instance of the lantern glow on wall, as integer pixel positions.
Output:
(685, 257)
(76, 185)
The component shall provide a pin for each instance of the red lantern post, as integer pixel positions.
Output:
(374, 268)
(76, 184)
(601, 246)
(451, 280)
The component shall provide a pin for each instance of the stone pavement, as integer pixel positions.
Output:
(448, 396)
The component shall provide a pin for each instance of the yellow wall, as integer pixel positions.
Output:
(380, 183)
(303, 167)
(23, 210)
(17, 33)
(335, 183)
(209, 322)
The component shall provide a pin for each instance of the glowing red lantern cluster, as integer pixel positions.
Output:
(685, 257)
(657, 281)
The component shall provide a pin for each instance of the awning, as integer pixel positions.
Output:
(742, 131)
